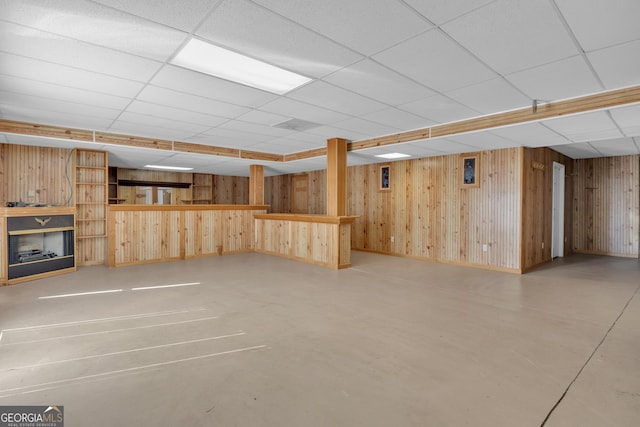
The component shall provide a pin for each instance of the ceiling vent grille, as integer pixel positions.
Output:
(297, 125)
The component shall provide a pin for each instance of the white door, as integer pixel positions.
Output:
(557, 221)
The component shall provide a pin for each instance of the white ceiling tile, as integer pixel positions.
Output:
(363, 25)
(365, 127)
(435, 61)
(263, 118)
(184, 15)
(577, 151)
(183, 80)
(155, 127)
(171, 113)
(617, 147)
(483, 140)
(530, 135)
(334, 98)
(447, 145)
(513, 35)
(423, 148)
(440, 109)
(585, 127)
(598, 24)
(301, 110)
(441, 11)
(618, 66)
(250, 29)
(19, 66)
(562, 79)
(266, 131)
(31, 113)
(79, 19)
(327, 132)
(628, 119)
(189, 102)
(36, 44)
(296, 144)
(398, 119)
(491, 96)
(375, 81)
(72, 108)
(229, 138)
(51, 91)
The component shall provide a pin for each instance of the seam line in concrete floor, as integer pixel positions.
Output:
(589, 358)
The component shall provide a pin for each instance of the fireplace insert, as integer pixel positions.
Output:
(39, 244)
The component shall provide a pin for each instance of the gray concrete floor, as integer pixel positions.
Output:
(264, 341)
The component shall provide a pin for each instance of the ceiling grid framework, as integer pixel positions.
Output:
(407, 65)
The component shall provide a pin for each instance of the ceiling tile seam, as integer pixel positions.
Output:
(595, 149)
(617, 125)
(84, 42)
(89, 91)
(575, 41)
(481, 61)
(324, 36)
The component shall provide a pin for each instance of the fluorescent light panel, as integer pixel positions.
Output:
(216, 61)
(169, 168)
(392, 155)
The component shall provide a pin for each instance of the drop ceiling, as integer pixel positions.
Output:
(377, 68)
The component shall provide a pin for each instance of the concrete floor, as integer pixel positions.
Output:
(264, 341)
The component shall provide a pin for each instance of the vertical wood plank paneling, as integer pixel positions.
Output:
(37, 175)
(231, 190)
(277, 193)
(606, 206)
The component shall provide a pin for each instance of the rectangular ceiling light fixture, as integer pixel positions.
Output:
(392, 155)
(213, 60)
(168, 168)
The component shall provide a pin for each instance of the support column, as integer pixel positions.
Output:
(336, 177)
(256, 185)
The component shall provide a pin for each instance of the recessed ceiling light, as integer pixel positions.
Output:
(216, 61)
(392, 155)
(170, 168)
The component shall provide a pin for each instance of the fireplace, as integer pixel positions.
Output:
(39, 244)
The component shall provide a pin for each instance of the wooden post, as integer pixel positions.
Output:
(256, 185)
(336, 177)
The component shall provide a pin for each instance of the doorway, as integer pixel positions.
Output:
(557, 220)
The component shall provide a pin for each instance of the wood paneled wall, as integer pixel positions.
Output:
(278, 194)
(537, 203)
(230, 190)
(427, 214)
(143, 234)
(36, 175)
(314, 239)
(606, 217)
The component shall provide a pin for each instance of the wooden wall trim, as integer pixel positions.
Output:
(138, 208)
(323, 219)
(598, 101)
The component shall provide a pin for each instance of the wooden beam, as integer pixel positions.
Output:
(256, 185)
(337, 177)
(544, 111)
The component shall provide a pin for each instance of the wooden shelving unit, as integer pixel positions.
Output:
(92, 188)
(112, 189)
(201, 189)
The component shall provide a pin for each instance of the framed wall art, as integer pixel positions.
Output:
(469, 171)
(385, 177)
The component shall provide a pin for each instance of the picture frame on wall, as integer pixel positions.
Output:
(385, 177)
(469, 171)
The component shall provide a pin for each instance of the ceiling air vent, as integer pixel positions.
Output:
(297, 125)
